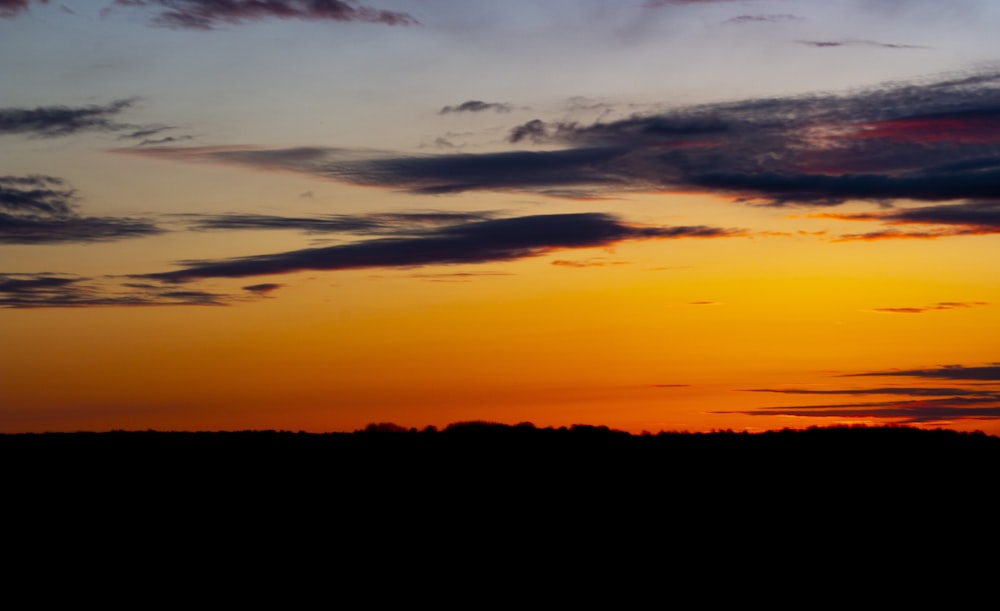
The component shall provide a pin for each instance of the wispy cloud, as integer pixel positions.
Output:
(966, 218)
(885, 390)
(11, 8)
(38, 209)
(397, 223)
(57, 121)
(763, 18)
(850, 42)
(980, 400)
(263, 288)
(469, 242)
(989, 373)
(210, 14)
(476, 106)
(581, 263)
(47, 290)
(941, 305)
(909, 412)
(929, 141)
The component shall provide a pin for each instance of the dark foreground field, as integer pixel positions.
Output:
(507, 464)
(493, 502)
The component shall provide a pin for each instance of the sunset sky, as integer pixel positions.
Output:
(650, 215)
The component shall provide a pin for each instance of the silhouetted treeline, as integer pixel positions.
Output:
(481, 490)
(473, 454)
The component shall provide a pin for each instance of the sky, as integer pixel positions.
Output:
(661, 215)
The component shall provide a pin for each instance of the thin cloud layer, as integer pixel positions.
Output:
(38, 209)
(25, 291)
(937, 307)
(210, 14)
(968, 218)
(854, 42)
(476, 106)
(57, 121)
(917, 405)
(365, 224)
(988, 373)
(763, 18)
(11, 8)
(930, 142)
(470, 242)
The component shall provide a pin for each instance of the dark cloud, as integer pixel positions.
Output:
(470, 242)
(920, 405)
(56, 121)
(36, 195)
(855, 42)
(11, 8)
(968, 218)
(66, 291)
(990, 373)
(931, 141)
(476, 106)
(941, 305)
(263, 288)
(210, 14)
(890, 390)
(38, 209)
(907, 412)
(399, 223)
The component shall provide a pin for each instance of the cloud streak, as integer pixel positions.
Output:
(12, 8)
(927, 142)
(980, 400)
(989, 373)
(476, 106)
(39, 209)
(855, 42)
(937, 307)
(58, 121)
(28, 291)
(763, 18)
(966, 218)
(398, 223)
(210, 14)
(460, 243)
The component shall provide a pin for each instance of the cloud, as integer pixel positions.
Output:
(916, 404)
(659, 3)
(38, 209)
(942, 305)
(264, 288)
(855, 41)
(932, 141)
(11, 8)
(397, 223)
(68, 291)
(476, 106)
(967, 218)
(477, 241)
(210, 14)
(763, 18)
(891, 390)
(907, 412)
(56, 121)
(990, 373)
(581, 263)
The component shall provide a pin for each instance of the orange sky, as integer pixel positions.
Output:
(248, 221)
